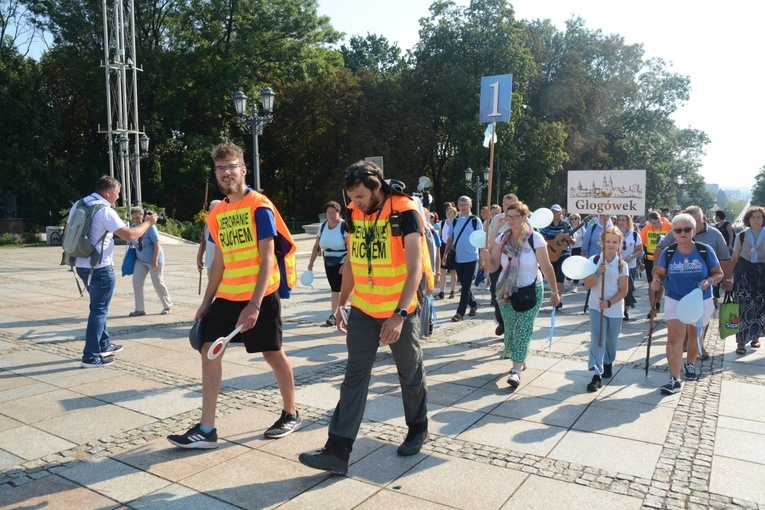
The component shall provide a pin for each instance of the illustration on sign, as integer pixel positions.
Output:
(606, 191)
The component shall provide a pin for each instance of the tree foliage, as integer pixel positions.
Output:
(581, 100)
(758, 191)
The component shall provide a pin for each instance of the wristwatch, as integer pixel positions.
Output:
(401, 312)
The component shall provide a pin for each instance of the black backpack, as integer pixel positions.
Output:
(670, 251)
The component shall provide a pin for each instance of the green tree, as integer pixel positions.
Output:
(375, 54)
(758, 191)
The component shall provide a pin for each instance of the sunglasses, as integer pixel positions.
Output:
(359, 172)
(681, 230)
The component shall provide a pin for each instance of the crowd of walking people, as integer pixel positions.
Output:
(386, 257)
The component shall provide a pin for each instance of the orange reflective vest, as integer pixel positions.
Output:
(232, 226)
(371, 238)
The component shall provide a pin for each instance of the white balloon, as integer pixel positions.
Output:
(307, 278)
(541, 218)
(478, 239)
(578, 268)
(690, 309)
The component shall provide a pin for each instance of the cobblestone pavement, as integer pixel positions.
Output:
(683, 476)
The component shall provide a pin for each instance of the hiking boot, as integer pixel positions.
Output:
(111, 350)
(412, 444)
(96, 362)
(690, 371)
(596, 383)
(672, 387)
(284, 426)
(607, 367)
(514, 379)
(196, 439)
(324, 460)
(332, 320)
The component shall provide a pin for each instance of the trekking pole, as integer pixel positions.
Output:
(650, 334)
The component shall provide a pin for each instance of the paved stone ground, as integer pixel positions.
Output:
(95, 438)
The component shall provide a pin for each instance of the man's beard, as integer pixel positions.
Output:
(231, 187)
(374, 204)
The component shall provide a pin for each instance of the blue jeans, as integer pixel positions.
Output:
(465, 274)
(101, 289)
(606, 354)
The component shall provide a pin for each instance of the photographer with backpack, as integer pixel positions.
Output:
(89, 245)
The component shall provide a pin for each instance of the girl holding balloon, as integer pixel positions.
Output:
(682, 269)
(610, 280)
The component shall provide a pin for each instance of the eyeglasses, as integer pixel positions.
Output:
(687, 230)
(140, 243)
(513, 216)
(226, 168)
(360, 172)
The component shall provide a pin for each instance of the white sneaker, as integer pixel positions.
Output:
(575, 289)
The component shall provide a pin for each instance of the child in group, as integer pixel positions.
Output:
(613, 275)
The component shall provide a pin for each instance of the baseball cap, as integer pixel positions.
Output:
(676, 208)
(555, 207)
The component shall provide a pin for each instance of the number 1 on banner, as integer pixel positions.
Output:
(496, 97)
(495, 103)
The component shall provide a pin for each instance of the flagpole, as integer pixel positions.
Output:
(491, 170)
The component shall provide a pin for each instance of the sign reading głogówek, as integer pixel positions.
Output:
(610, 192)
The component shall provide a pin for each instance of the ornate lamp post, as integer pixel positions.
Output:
(133, 155)
(255, 123)
(477, 186)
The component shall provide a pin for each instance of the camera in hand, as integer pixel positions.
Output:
(161, 218)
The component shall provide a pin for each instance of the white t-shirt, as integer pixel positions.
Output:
(333, 238)
(105, 220)
(611, 279)
(631, 241)
(529, 268)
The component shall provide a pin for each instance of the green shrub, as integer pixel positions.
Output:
(8, 239)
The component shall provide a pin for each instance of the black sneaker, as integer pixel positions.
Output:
(595, 384)
(560, 305)
(672, 387)
(500, 330)
(324, 460)
(412, 444)
(607, 370)
(96, 362)
(196, 439)
(472, 311)
(284, 426)
(690, 372)
(111, 350)
(332, 321)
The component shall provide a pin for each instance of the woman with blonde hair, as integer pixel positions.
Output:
(521, 253)
(450, 212)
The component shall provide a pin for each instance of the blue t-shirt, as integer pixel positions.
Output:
(464, 251)
(686, 272)
(145, 246)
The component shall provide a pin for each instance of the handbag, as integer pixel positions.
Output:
(128, 263)
(525, 298)
(729, 316)
(451, 257)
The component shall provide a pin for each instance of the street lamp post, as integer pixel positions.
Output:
(132, 157)
(477, 186)
(255, 123)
